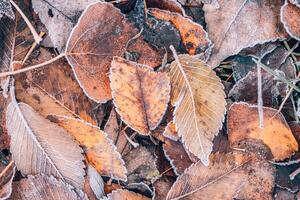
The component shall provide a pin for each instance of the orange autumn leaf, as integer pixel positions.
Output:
(140, 94)
(243, 123)
(194, 37)
(122, 194)
(99, 150)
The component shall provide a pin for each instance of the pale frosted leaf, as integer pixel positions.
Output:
(6, 9)
(42, 187)
(199, 100)
(96, 182)
(40, 146)
(238, 24)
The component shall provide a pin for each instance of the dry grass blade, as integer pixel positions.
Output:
(40, 146)
(199, 100)
(41, 187)
(229, 176)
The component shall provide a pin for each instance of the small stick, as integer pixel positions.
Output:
(4, 74)
(7, 168)
(32, 48)
(294, 174)
(134, 144)
(36, 36)
(260, 98)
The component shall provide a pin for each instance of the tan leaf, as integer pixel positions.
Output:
(194, 37)
(238, 24)
(243, 123)
(199, 99)
(290, 17)
(54, 90)
(99, 150)
(229, 176)
(101, 33)
(40, 146)
(41, 187)
(126, 195)
(170, 131)
(140, 94)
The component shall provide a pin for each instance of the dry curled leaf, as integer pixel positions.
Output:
(140, 94)
(194, 37)
(101, 33)
(40, 146)
(243, 123)
(290, 17)
(199, 99)
(229, 176)
(54, 90)
(238, 24)
(41, 187)
(99, 150)
(126, 195)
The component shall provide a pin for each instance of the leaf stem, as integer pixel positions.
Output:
(4, 74)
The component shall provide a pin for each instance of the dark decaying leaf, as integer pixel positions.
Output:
(101, 33)
(229, 176)
(290, 17)
(40, 146)
(194, 37)
(177, 156)
(162, 186)
(284, 195)
(238, 24)
(42, 187)
(140, 95)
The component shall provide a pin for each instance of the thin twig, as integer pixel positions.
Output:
(259, 98)
(294, 174)
(4, 74)
(6, 168)
(32, 48)
(36, 36)
(134, 144)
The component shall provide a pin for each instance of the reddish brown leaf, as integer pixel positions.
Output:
(126, 195)
(290, 17)
(101, 33)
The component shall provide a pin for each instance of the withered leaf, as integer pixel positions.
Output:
(101, 33)
(199, 99)
(126, 194)
(6, 9)
(193, 35)
(162, 186)
(290, 17)
(53, 90)
(171, 5)
(140, 94)
(243, 123)
(99, 150)
(40, 146)
(238, 24)
(117, 136)
(41, 187)
(229, 176)
(178, 157)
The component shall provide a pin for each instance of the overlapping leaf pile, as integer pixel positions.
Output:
(126, 100)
